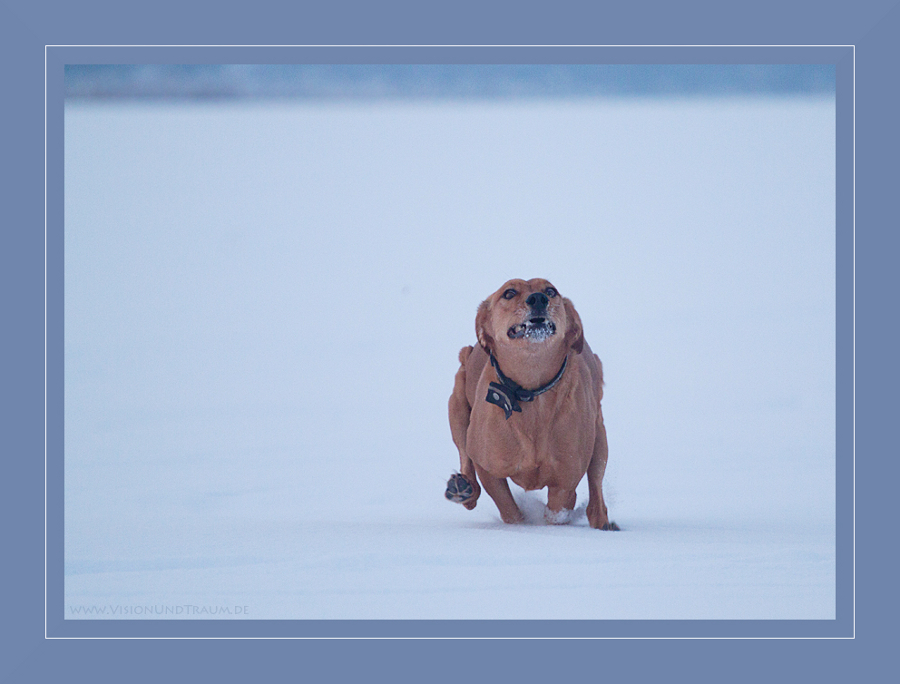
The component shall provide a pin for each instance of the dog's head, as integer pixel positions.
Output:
(528, 312)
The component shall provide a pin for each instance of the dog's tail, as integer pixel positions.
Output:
(464, 354)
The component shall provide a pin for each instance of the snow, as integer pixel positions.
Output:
(264, 306)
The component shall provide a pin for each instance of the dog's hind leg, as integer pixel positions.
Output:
(597, 514)
(498, 489)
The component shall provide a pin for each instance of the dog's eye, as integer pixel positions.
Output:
(550, 292)
(509, 294)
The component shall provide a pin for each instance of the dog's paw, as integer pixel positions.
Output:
(459, 489)
(561, 517)
(611, 526)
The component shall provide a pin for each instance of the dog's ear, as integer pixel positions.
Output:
(574, 332)
(481, 325)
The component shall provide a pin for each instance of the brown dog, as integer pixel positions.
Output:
(526, 406)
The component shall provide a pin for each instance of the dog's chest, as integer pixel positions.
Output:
(534, 448)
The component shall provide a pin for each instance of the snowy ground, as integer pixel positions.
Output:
(264, 304)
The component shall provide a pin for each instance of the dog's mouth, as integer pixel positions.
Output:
(536, 329)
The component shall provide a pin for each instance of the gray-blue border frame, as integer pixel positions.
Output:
(842, 57)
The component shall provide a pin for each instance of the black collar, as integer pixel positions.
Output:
(507, 394)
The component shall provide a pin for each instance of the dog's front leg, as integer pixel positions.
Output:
(560, 504)
(463, 487)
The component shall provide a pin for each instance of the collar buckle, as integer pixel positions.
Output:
(507, 393)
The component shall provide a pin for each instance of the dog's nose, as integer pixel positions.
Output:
(538, 300)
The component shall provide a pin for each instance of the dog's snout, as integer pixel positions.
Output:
(537, 301)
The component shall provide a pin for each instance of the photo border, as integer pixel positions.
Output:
(871, 26)
(842, 57)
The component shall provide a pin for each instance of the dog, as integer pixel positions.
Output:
(526, 406)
